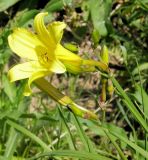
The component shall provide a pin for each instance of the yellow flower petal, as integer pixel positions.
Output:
(63, 54)
(42, 31)
(73, 67)
(71, 61)
(56, 66)
(24, 43)
(100, 65)
(80, 66)
(55, 30)
(32, 78)
(24, 70)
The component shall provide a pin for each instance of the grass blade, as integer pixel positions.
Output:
(29, 134)
(72, 154)
(131, 144)
(129, 104)
(11, 144)
(70, 137)
(87, 143)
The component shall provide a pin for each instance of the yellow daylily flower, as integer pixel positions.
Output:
(44, 53)
(38, 49)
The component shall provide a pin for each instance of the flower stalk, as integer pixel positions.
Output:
(64, 100)
(106, 82)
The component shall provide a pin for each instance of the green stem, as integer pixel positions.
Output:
(55, 94)
(104, 115)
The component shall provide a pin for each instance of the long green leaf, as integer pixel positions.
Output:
(142, 96)
(27, 16)
(54, 5)
(86, 141)
(72, 154)
(9, 88)
(11, 144)
(131, 144)
(4, 4)
(140, 68)
(100, 11)
(29, 134)
(130, 105)
(115, 145)
(70, 136)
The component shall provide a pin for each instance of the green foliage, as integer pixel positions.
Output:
(36, 128)
(6, 4)
(100, 11)
(56, 5)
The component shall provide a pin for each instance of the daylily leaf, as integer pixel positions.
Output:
(27, 16)
(99, 11)
(6, 4)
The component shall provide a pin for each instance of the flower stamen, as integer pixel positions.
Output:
(44, 59)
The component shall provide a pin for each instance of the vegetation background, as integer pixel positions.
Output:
(36, 127)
